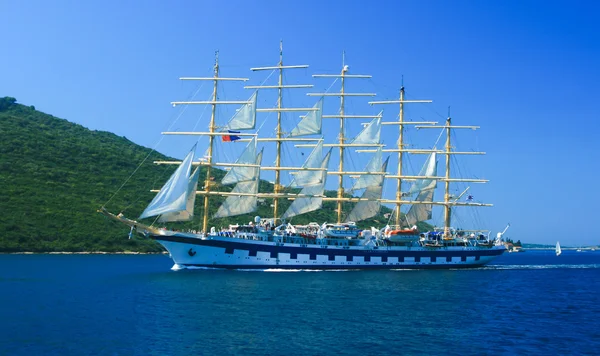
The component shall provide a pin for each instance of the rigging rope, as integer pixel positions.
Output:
(263, 82)
(153, 148)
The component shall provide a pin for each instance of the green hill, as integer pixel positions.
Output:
(55, 175)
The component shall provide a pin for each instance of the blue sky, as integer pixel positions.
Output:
(525, 71)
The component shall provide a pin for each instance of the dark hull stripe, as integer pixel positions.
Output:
(382, 252)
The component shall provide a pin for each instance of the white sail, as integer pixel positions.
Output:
(314, 160)
(173, 195)
(240, 173)
(243, 204)
(311, 123)
(366, 209)
(429, 169)
(420, 212)
(369, 208)
(188, 213)
(371, 133)
(245, 117)
(425, 189)
(306, 204)
(558, 250)
(373, 166)
(237, 205)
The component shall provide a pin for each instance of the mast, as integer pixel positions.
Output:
(342, 116)
(340, 193)
(447, 211)
(279, 133)
(278, 194)
(277, 187)
(400, 143)
(446, 178)
(211, 129)
(313, 118)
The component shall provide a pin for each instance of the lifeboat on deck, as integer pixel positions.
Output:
(402, 235)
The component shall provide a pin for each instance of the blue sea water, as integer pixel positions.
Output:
(523, 303)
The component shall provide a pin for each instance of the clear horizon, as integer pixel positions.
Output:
(526, 72)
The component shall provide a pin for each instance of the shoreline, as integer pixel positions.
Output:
(84, 253)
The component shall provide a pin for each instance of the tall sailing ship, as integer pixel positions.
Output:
(274, 242)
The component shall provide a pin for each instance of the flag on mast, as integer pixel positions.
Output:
(230, 138)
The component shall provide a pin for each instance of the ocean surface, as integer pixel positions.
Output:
(523, 303)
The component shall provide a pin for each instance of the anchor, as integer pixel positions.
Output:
(133, 229)
(191, 252)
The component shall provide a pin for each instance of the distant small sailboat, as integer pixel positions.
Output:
(558, 250)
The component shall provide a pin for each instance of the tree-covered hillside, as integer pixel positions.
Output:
(56, 174)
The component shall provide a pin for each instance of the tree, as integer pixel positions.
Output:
(7, 102)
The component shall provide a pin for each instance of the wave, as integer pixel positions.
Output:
(303, 270)
(176, 267)
(557, 266)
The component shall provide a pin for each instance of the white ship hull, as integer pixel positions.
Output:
(189, 250)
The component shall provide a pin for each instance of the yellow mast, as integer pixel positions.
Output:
(342, 116)
(447, 211)
(211, 129)
(447, 203)
(277, 186)
(340, 193)
(400, 146)
(339, 199)
(279, 133)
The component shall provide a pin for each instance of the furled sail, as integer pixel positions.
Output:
(373, 166)
(429, 169)
(245, 117)
(303, 205)
(371, 133)
(188, 213)
(311, 123)
(314, 160)
(242, 173)
(368, 208)
(242, 204)
(173, 195)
